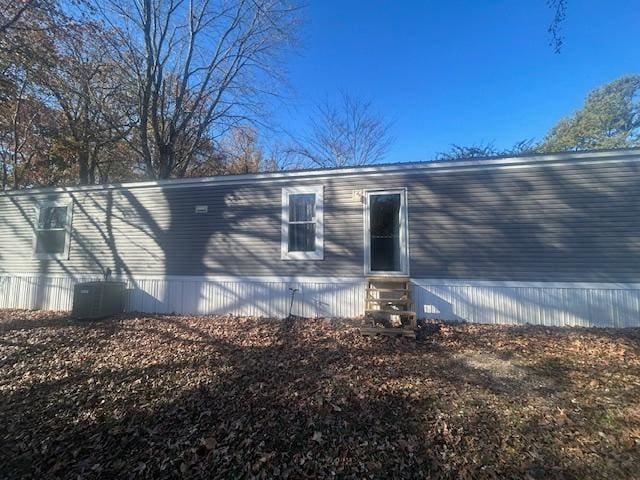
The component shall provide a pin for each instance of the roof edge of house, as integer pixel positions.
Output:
(478, 163)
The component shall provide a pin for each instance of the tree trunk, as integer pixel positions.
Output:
(4, 174)
(83, 167)
(165, 161)
(93, 163)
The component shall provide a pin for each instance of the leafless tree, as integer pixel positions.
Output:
(242, 151)
(14, 128)
(487, 149)
(11, 11)
(23, 22)
(200, 67)
(27, 128)
(83, 82)
(28, 30)
(349, 132)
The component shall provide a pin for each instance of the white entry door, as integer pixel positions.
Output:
(386, 235)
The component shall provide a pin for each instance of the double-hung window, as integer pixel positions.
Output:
(302, 223)
(52, 230)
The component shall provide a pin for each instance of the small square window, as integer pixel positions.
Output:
(302, 226)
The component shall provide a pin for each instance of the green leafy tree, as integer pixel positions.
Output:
(609, 118)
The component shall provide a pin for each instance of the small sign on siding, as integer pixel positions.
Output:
(202, 208)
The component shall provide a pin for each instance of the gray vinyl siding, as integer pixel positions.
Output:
(575, 222)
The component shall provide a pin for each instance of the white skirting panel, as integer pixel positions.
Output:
(248, 297)
(254, 296)
(551, 304)
(38, 291)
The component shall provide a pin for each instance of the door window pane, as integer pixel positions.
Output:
(385, 232)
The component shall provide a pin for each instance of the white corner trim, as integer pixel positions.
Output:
(68, 203)
(318, 253)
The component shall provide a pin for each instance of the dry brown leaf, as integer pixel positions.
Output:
(235, 397)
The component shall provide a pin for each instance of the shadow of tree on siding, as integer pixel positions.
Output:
(548, 223)
(570, 224)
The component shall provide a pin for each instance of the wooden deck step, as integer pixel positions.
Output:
(384, 278)
(383, 295)
(395, 301)
(388, 290)
(402, 313)
(373, 331)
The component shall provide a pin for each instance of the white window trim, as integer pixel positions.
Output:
(318, 253)
(67, 238)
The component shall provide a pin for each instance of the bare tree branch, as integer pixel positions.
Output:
(11, 11)
(559, 8)
(347, 133)
(487, 149)
(197, 66)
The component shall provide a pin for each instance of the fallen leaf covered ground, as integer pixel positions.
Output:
(226, 397)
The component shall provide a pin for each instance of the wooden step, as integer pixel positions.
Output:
(387, 279)
(403, 295)
(402, 313)
(391, 318)
(373, 331)
(387, 286)
(388, 290)
(397, 301)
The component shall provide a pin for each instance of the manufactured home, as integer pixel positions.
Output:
(542, 239)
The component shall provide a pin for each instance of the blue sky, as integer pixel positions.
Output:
(459, 71)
